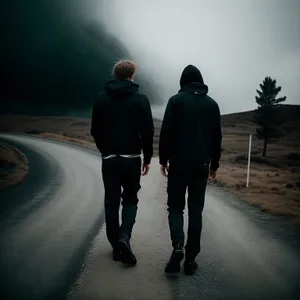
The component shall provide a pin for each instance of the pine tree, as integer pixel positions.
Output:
(267, 115)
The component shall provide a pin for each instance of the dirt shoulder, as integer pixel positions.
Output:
(13, 166)
(274, 184)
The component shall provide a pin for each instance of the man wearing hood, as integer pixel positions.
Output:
(190, 142)
(122, 125)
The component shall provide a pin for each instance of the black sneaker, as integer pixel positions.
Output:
(173, 266)
(190, 267)
(127, 257)
(116, 255)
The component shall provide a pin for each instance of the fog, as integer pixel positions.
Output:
(235, 44)
(57, 54)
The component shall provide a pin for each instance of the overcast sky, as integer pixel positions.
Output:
(235, 43)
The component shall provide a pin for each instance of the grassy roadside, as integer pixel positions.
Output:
(64, 138)
(271, 189)
(274, 184)
(13, 166)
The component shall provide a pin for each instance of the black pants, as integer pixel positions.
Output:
(120, 173)
(191, 176)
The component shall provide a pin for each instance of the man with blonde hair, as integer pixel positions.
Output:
(122, 125)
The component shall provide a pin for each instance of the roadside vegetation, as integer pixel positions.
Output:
(13, 166)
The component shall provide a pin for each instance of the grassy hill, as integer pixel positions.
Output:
(290, 127)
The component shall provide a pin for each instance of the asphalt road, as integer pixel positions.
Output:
(53, 244)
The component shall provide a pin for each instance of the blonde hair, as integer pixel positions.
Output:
(124, 69)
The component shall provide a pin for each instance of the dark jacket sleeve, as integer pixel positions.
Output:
(146, 130)
(216, 139)
(96, 125)
(165, 135)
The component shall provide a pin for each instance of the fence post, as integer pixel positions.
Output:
(249, 159)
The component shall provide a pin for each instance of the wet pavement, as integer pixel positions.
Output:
(53, 243)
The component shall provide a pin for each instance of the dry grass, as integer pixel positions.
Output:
(13, 166)
(65, 138)
(274, 182)
(270, 189)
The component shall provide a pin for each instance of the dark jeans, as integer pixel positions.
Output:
(120, 173)
(191, 176)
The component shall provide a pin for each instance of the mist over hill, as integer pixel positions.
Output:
(53, 62)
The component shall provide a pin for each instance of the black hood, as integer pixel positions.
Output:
(121, 88)
(191, 80)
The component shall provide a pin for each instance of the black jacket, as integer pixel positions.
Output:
(191, 128)
(122, 121)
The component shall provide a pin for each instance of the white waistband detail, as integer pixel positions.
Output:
(122, 155)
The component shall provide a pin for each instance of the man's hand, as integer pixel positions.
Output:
(164, 170)
(212, 175)
(146, 169)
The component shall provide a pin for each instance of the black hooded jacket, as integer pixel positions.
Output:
(122, 121)
(191, 129)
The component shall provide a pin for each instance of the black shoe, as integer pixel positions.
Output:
(127, 257)
(173, 266)
(116, 255)
(190, 267)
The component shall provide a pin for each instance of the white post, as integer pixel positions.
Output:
(249, 159)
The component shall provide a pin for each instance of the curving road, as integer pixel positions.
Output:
(53, 245)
